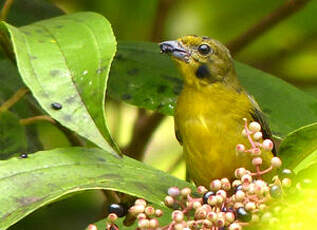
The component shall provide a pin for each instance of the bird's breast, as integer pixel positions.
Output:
(210, 124)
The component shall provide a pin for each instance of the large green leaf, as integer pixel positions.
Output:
(141, 76)
(299, 145)
(28, 184)
(66, 60)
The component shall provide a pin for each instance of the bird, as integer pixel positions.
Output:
(211, 108)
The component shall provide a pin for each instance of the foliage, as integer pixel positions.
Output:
(65, 62)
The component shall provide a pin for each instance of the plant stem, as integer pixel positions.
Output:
(5, 10)
(14, 99)
(145, 125)
(143, 129)
(35, 119)
(284, 11)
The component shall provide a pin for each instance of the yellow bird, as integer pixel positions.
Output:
(210, 109)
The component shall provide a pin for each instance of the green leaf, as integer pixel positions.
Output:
(12, 135)
(30, 183)
(299, 145)
(141, 76)
(66, 60)
(22, 12)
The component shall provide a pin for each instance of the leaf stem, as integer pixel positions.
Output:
(35, 119)
(14, 99)
(144, 127)
(284, 11)
(5, 10)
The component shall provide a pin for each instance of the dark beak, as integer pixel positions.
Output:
(175, 49)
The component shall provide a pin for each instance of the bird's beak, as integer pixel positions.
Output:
(175, 49)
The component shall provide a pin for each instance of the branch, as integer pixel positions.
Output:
(14, 99)
(35, 119)
(5, 10)
(145, 124)
(143, 129)
(290, 7)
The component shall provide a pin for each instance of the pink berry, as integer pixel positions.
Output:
(177, 216)
(276, 162)
(240, 148)
(154, 223)
(257, 136)
(235, 226)
(246, 179)
(173, 191)
(254, 126)
(257, 161)
(215, 185)
(267, 145)
(238, 173)
(92, 227)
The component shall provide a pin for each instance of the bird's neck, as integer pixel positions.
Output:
(229, 82)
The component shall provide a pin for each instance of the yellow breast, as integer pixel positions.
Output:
(210, 121)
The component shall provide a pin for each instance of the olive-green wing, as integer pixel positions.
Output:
(259, 116)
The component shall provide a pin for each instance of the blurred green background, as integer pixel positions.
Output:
(288, 50)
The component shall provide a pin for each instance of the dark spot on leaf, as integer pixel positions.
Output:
(133, 71)
(101, 69)
(111, 176)
(26, 32)
(43, 94)
(267, 110)
(101, 159)
(25, 201)
(143, 186)
(67, 117)
(56, 106)
(70, 100)
(126, 96)
(24, 155)
(54, 72)
(33, 57)
(59, 26)
(173, 79)
(39, 31)
(161, 105)
(120, 57)
(161, 88)
(41, 41)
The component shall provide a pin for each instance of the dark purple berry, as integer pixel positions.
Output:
(207, 195)
(239, 187)
(243, 215)
(276, 191)
(118, 209)
(56, 106)
(24, 155)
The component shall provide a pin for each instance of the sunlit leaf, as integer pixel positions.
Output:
(65, 62)
(28, 184)
(299, 145)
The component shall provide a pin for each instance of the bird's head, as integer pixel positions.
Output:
(202, 60)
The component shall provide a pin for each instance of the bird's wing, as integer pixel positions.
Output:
(259, 116)
(178, 134)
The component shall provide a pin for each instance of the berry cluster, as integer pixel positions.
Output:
(225, 204)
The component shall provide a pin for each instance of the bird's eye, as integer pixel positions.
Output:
(204, 49)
